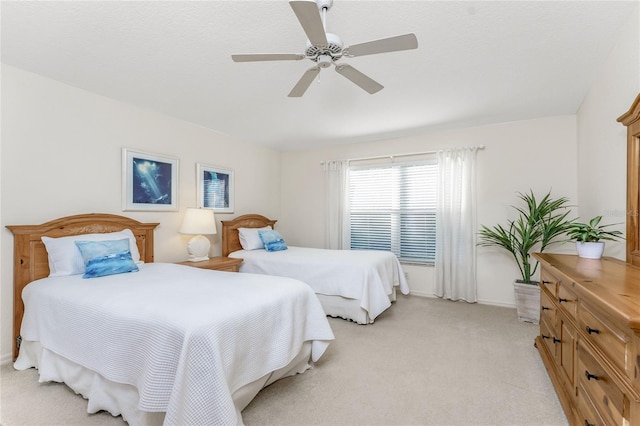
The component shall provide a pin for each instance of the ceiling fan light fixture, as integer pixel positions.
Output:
(325, 61)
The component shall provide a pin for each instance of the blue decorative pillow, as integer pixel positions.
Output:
(272, 240)
(107, 257)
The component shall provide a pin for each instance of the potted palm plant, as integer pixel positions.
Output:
(588, 237)
(539, 223)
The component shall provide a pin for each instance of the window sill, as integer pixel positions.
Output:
(427, 264)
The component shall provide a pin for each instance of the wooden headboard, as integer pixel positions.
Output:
(230, 237)
(30, 260)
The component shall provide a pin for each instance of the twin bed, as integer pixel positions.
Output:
(165, 344)
(353, 284)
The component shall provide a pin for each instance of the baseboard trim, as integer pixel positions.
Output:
(6, 359)
(480, 301)
(422, 294)
(494, 303)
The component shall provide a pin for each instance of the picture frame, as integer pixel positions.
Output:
(149, 181)
(215, 186)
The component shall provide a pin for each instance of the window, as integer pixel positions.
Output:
(393, 207)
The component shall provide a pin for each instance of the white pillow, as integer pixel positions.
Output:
(66, 259)
(250, 239)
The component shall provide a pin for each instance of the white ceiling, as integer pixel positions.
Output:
(477, 62)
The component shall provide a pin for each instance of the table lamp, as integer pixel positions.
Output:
(198, 222)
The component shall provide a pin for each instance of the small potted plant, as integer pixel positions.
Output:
(588, 237)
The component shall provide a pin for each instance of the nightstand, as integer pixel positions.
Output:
(227, 264)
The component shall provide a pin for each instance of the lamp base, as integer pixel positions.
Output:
(192, 258)
(198, 248)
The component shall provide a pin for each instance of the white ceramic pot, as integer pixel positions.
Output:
(590, 250)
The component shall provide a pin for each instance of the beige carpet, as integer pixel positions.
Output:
(424, 362)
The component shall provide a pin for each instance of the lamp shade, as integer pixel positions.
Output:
(198, 222)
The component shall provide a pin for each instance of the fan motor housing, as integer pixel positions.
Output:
(333, 48)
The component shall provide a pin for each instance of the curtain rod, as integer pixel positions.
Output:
(391, 157)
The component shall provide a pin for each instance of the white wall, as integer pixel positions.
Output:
(534, 154)
(61, 155)
(602, 140)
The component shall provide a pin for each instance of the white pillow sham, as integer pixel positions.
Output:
(66, 259)
(250, 239)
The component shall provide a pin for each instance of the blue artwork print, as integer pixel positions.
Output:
(216, 189)
(151, 182)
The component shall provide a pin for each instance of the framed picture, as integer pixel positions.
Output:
(149, 182)
(215, 188)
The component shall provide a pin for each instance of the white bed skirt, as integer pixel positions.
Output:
(349, 309)
(122, 399)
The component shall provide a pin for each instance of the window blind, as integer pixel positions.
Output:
(393, 207)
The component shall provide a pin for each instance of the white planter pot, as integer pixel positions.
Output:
(527, 302)
(590, 250)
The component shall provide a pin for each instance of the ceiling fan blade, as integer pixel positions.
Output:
(391, 44)
(255, 57)
(366, 83)
(311, 21)
(303, 84)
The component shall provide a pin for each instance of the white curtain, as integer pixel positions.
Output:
(336, 229)
(456, 225)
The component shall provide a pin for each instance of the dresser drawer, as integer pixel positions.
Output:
(567, 299)
(547, 333)
(587, 413)
(605, 336)
(547, 308)
(549, 281)
(607, 399)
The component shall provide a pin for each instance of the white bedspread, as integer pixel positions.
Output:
(366, 275)
(186, 338)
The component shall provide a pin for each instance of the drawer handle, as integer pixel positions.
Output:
(561, 299)
(590, 376)
(586, 423)
(556, 340)
(546, 282)
(544, 336)
(592, 330)
(544, 308)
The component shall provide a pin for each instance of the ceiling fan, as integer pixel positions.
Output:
(325, 49)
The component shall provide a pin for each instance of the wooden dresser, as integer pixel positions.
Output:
(590, 337)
